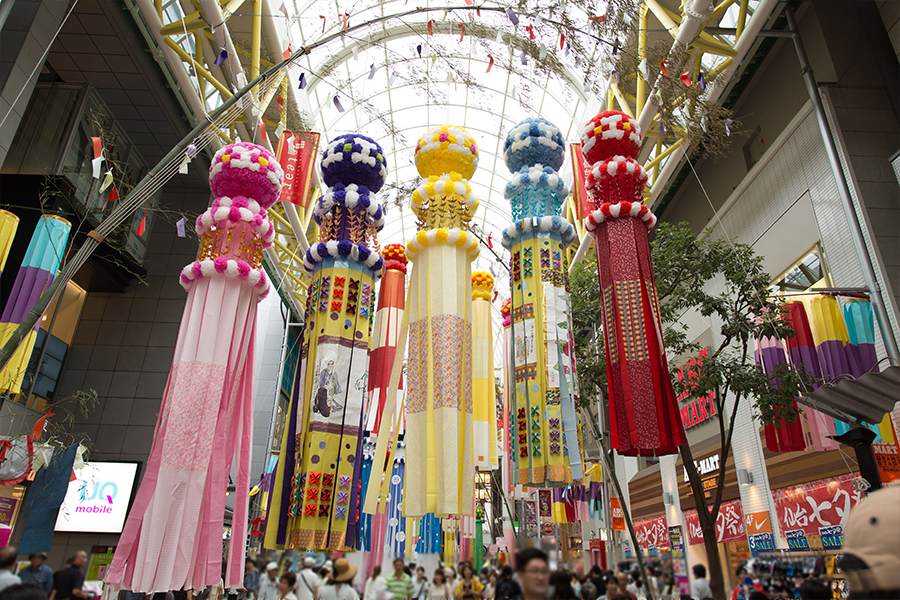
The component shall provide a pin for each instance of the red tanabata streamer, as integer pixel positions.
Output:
(562, 40)
(430, 30)
(462, 33)
(665, 71)
(323, 22)
(286, 54)
(530, 30)
(142, 226)
(643, 413)
(344, 15)
(490, 63)
(685, 78)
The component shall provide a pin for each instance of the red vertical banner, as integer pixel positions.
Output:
(618, 517)
(579, 190)
(296, 153)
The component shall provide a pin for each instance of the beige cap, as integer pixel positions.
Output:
(872, 534)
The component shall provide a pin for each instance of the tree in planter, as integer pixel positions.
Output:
(723, 281)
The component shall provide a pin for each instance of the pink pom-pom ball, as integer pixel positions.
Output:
(243, 269)
(246, 170)
(220, 263)
(239, 202)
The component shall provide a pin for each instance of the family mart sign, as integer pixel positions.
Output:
(699, 409)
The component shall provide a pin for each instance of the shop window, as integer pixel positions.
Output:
(281, 412)
(808, 272)
(53, 341)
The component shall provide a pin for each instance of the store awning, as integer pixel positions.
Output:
(866, 399)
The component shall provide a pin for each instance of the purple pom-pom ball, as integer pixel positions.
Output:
(354, 158)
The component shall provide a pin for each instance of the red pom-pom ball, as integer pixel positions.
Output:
(611, 133)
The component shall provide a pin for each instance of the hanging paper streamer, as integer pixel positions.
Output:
(685, 78)
(173, 535)
(490, 63)
(142, 226)
(37, 271)
(221, 58)
(701, 82)
(530, 30)
(643, 413)
(430, 26)
(429, 535)
(547, 444)
(462, 32)
(41, 506)
(396, 522)
(334, 354)
(510, 464)
(323, 22)
(302, 81)
(662, 66)
(439, 401)
(179, 226)
(385, 333)
(337, 104)
(781, 436)
(485, 406)
(513, 18)
(9, 223)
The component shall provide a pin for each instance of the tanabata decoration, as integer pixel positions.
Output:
(343, 268)
(484, 419)
(643, 411)
(781, 436)
(36, 273)
(385, 336)
(439, 465)
(173, 535)
(509, 465)
(396, 535)
(9, 223)
(386, 332)
(802, 352)
(545, 439)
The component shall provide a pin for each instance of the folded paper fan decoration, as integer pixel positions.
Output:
(643, 413)
(439, 402)
(334, 360)
(173, 535)
(545, 437)
(484, 402)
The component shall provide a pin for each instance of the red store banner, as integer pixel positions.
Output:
(822, 503)
(296, 153)
(652, 532)
(730, 525)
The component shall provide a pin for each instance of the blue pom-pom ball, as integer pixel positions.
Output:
(532, 142)
(354, 158)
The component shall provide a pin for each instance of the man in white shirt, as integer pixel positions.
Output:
(700, 588)
(7, 564)
(308, 582)
(268, 583)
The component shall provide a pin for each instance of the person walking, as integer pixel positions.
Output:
(38, 573)
(251, 579)
(398, 583)
(440, 589)
(308, 582)
(268, 585)
(8, 557)
(507, 588)
(700, 589)
(468, 588)
(421, 584)
(340, 582)
(534, 573)
(375, 585)
(286, 585)
(68, 582)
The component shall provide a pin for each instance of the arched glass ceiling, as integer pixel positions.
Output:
(422, 80)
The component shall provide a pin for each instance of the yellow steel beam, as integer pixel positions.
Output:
(620, 97)
(611, 100)
(189, 24)
(199, 68)
(671, 22)
(720, 10)
(198, 51)
(659, 142)
(157, 4)
(656, 159)
(668, 19)
(279, 219)
(714, 46)
(256, 40)
(742, 18)
(642, 54)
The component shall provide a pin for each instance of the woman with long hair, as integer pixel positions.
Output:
(440, 589)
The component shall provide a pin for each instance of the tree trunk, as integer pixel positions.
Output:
(707, 525)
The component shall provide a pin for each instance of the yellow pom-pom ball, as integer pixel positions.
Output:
(446, 149)
(482, 280)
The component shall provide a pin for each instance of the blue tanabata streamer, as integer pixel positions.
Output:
(396, 524)
(302, 81)
(429, 535)
(514, 19)
(45, 496)
(364, 534)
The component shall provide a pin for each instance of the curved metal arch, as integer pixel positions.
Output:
(420, 29)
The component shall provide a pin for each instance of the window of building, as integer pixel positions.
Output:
(809, 271)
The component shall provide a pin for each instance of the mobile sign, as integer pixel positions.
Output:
(97, 500)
